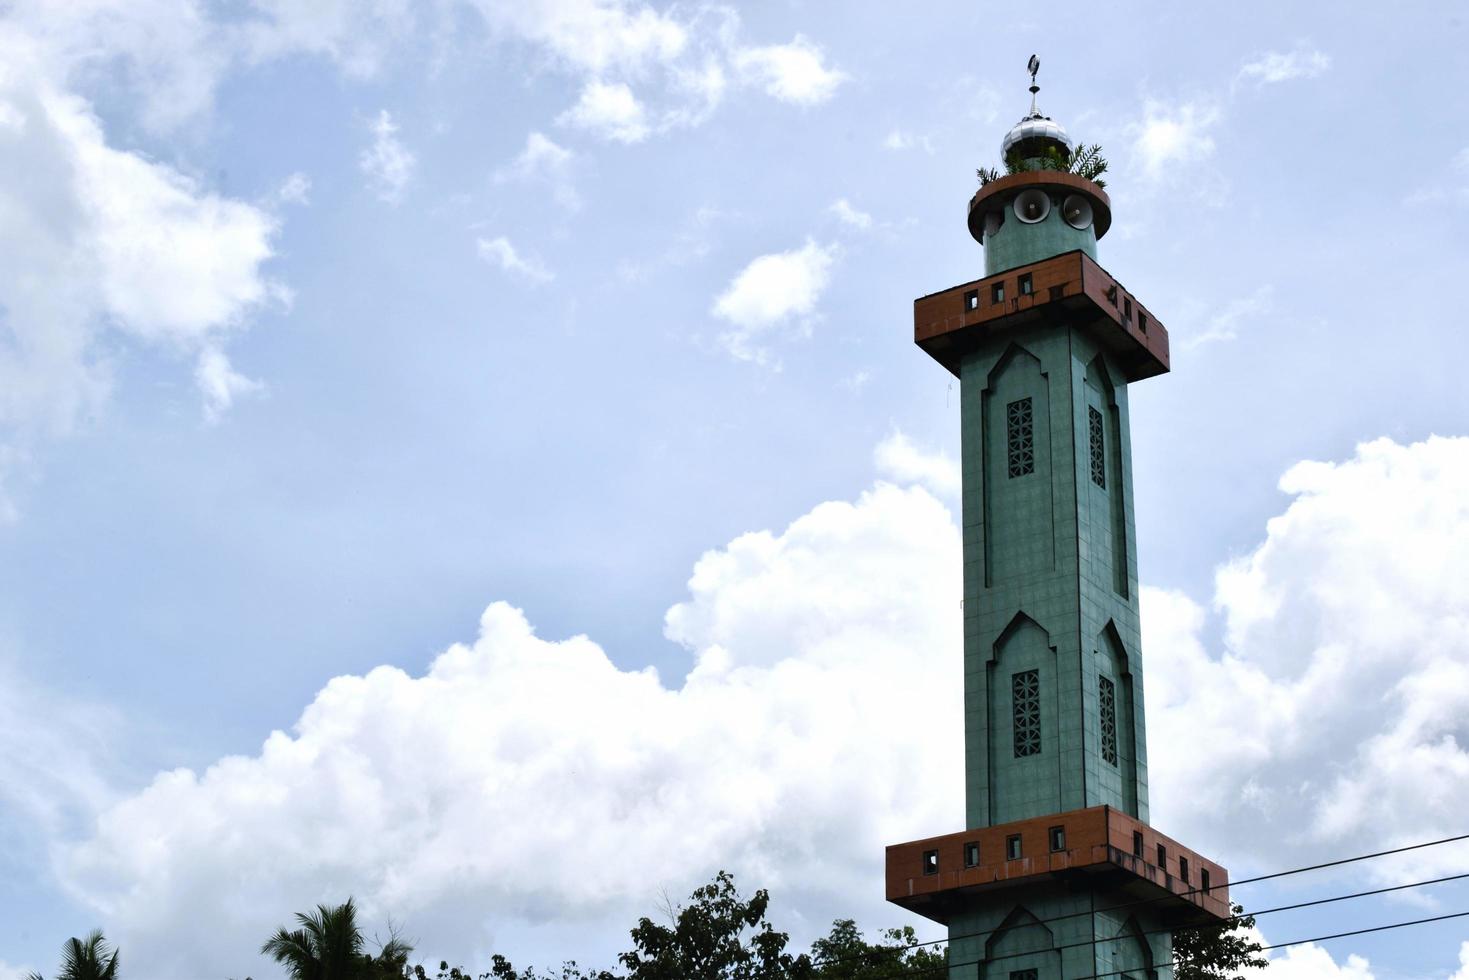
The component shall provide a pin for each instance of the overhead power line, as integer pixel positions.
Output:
(948, 965)
(1196, 927)
(1243, 881)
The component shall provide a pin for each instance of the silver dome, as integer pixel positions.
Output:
(1032, 127)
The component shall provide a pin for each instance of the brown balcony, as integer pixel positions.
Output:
(933, 877)
(1069, 288)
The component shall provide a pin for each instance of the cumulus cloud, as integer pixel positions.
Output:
(1304, 61)
(611, 110)
(387, 163)
(1332, 709)
(563, 791)
(1336, 707)
(794, 72)
(850, 216)
(1311, 962)
(772, 290)
(499, 251)
(898, 459)
(1173, 134)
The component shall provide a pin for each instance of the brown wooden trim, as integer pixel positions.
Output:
(1013, 184)
(1071, 287)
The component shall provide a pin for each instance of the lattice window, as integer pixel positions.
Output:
(1107, 695)
(1099, 455)
(1025, 689)
(1020, 437)
(1024, 974)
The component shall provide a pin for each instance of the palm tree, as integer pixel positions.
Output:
(328, 946)
(88, 959)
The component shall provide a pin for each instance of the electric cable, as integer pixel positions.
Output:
(1209, 925)
(1232, 884)
(946, 966)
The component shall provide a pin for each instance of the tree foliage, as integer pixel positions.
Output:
(845, 955)
(719, 936)
(1086, 161)
(1217, 952)
(86, 959)
(329, 945)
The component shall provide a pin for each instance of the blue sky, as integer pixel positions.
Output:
(325, 330)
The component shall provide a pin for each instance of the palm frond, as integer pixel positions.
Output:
(88, 959)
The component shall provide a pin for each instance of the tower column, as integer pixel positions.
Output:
(1058, 873)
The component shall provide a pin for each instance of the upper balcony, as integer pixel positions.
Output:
(1066, 288)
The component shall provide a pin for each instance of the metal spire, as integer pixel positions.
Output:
(1033, 66)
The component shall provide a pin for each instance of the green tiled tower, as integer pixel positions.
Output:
(1058, 874)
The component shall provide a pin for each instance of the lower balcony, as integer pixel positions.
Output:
(935, 876)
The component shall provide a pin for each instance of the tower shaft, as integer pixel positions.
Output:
(1058, 873)
(1052, 671)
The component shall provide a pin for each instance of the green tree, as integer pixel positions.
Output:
(502, 969)
(720, 936)
(329, 946)
(86, 959)
(845, 955)
(1217, 952)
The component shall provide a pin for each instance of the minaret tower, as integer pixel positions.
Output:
(1058, 875)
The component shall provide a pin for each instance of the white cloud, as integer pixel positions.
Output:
(52, 755)
(500, 252)
(295, 189)
(793, 72)
(1337, 705)
(595, 36)
(1453, 192)
(898, 459)
(8, 972)
(541, 157)
(771, 291)
(531, 785)
(705, 86)
(166, 52)
(899, 139)
(388, 164)
(544, 161)
(355, 34)
(1462, 973)
(1335, 709)
(220, 383)
(849, 215)
(1304, 61)
(102, 246)
(610, 110)
(1311, 962)
(1225, 324)
(1169, 136)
